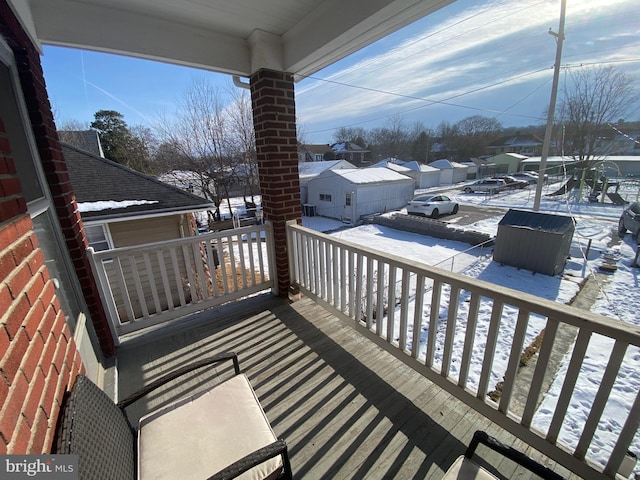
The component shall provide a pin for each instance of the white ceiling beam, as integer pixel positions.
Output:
(105, 29)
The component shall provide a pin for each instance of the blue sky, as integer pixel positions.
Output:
(492, 58)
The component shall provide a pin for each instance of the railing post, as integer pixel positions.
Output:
(105, 295)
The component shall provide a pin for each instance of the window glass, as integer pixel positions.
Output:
(97, 237)
(31, 187)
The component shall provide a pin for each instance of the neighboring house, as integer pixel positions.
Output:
(350, 194)
(310, 170)
(508, 162)
(315, 153)
(86, 140)
(351, 152)
(524, 144)
(121, 207)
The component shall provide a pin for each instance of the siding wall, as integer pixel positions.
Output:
(147, 230)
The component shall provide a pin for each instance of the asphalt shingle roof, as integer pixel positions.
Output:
(96, 179)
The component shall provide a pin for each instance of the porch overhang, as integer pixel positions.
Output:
(240, 37)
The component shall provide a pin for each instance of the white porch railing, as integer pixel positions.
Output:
(448, 327)
(149, 284)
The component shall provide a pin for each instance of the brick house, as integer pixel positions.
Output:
(52, 320)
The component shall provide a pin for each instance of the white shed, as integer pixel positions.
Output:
(349, 194)
(446, 171)
(309, 170)
(428, 176)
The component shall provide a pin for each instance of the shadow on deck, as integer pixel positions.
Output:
(346, 408)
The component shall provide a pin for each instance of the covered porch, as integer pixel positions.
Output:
(346, 407)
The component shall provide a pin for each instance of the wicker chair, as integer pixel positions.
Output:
(220, 433)
(465, 468)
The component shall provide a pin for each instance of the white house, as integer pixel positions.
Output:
(309, 170)
(349, 194)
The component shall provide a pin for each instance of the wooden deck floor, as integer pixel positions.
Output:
(346, 408)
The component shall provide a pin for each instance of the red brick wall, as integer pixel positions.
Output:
(38, 357)
(274, 120)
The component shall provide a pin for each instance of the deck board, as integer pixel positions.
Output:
(346, 408)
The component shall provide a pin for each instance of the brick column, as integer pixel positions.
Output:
(274, 120)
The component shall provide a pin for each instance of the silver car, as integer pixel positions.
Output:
(432, 205)
(491, 185)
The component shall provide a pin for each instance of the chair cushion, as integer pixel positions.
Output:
(465, 469)
(200, 435)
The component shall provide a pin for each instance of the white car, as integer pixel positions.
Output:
(432, 205)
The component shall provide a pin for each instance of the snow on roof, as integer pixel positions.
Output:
(420, 167)
(110, 205)
(391, 166)
(313, 169)
(370, 175)
(442, 164)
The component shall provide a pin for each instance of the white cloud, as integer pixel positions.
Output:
(493, 45)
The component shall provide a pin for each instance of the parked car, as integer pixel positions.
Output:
(512, 183)
(432, 205)
(491, 185)
(529, 177)
(630, 220)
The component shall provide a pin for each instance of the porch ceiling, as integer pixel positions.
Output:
(237, 37)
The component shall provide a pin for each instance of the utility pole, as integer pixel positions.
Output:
(552, 106)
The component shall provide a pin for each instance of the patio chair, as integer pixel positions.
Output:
(219, 433)
(465, 468)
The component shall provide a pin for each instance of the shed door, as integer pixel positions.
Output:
(348, 206)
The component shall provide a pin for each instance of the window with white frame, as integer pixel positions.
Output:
(51, 241)
(325, 197)
(98, 237)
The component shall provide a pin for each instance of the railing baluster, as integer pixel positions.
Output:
(359, 274)
(629, 431)
(211, 265)
(469, 339)
(344, 280)
(152, 282)
(417, 317)
(201, 278)
(391, 314)
(452, 320)
(223, 266)
(490, 349)
(404, 310)
(434, 316)
(600, 401)
(177, 276)
(336, 290)
(515, 356)
(133, 264)
(353, 274)
(165, 279)
(380, 293)
(369, 295)
(542, 363)
(579, 349)
(243, 267)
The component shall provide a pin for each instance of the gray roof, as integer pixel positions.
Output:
(85, 140)
(125, 192)
(545, 222)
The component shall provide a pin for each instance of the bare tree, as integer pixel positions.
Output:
(473, 134)
(198, 134)
(593, 98)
